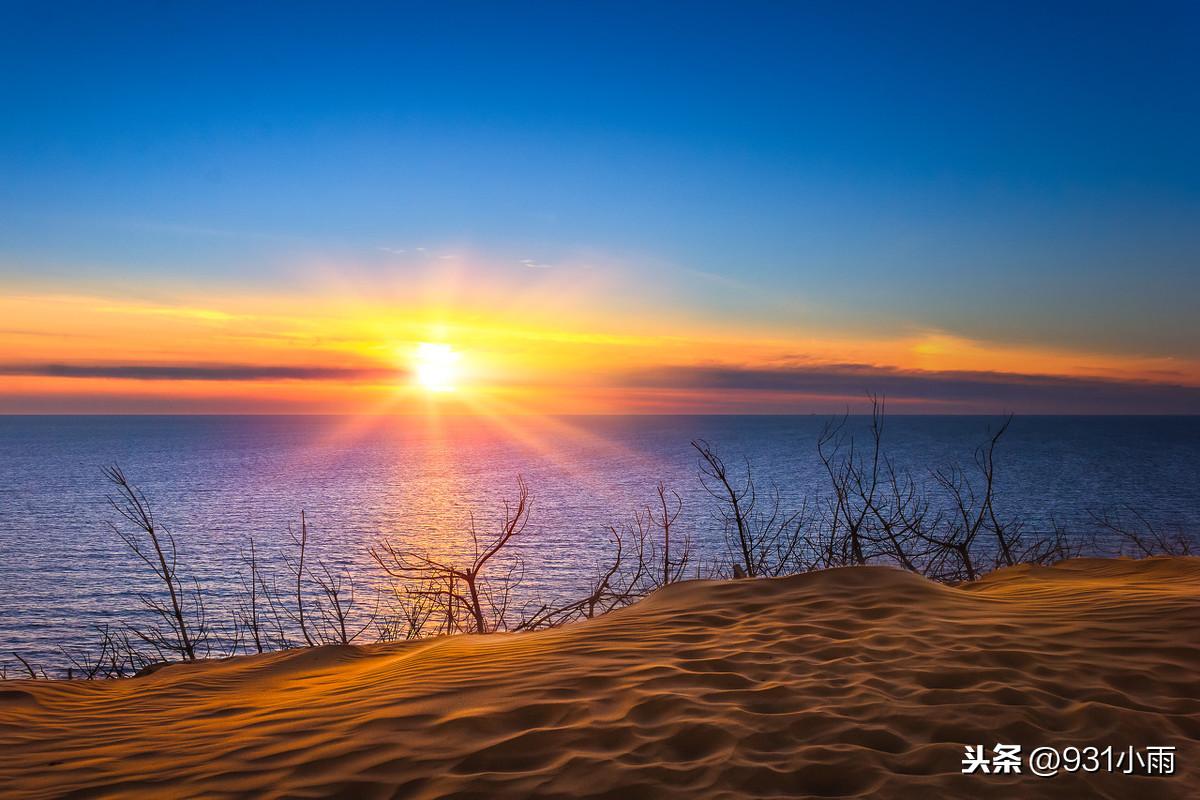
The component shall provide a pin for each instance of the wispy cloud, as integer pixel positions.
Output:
(529, 262)
(39, 334)
(171, 311)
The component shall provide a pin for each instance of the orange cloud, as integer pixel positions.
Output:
(345, 351)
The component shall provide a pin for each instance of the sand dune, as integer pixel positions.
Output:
(848, 683)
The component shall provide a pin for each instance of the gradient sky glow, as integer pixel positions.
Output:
(604, 207)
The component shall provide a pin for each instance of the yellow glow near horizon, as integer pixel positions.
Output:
(353, 353)
(435, 367)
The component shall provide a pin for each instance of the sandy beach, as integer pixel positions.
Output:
(853, 682)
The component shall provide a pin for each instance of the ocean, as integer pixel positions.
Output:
(215, 482)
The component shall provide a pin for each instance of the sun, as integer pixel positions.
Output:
(435, 367)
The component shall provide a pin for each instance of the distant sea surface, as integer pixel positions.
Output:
(215, 482)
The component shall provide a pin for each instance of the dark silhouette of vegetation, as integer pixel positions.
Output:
(1140, 538)
(764, 540)
(947, 525)
(182, 626)
(466, 596)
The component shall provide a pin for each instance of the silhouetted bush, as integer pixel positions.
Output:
(946, 526)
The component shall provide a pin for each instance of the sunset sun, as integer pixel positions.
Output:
(436, 367)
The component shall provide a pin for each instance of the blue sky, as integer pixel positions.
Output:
(1004, 172)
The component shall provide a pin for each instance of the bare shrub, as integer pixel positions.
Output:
(326, 603)
(182, 626)
(668, 567)
(299, 571)
(341, 616)
(467, 596)
(854, 479)
(117, 656)
(614, 585)
(973, 538)
(763, 539)
(1138, 537)
(876, 512)
(409, 614)
(31, 672)
(259, 607)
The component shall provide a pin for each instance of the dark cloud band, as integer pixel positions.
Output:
(932, 390)
(992, 389)
(199, 372)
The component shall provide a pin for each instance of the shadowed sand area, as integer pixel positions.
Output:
(847, 683)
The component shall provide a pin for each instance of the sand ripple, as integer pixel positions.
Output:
(848, 683)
